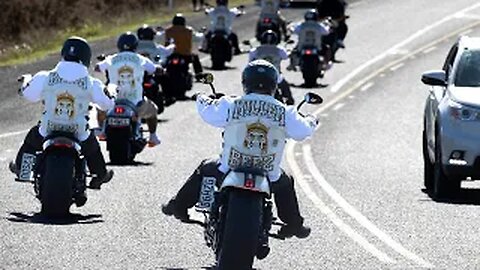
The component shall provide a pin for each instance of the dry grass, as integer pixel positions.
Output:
(31, 28)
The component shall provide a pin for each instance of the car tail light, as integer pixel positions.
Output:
(119, 110)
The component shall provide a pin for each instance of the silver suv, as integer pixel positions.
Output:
(451, 134)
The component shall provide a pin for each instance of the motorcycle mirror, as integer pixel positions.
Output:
(241, 7)
(290, 41)
(205, 78)
(159, 28)
(246, 42)
(156, 58)
(312, 98)
(101, 57)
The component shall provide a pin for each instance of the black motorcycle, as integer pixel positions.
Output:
(238, 212)
(58, 172)
(178, 79)
(265, 24)
(153, 91)
(123, 131)
(312, 64)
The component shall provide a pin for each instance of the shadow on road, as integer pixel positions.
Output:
(134, 164)
(38, 218)
(309, 87)
(468, 196)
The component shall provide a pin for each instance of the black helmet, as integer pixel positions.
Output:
(311, 15)
(127, 42)
(269, 37)
(260, 77)
(222, 2)
(145, 32)
(76, 49)
(179, 19)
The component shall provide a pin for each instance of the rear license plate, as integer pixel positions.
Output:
(118, 122)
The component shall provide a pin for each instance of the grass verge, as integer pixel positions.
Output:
(91, 32)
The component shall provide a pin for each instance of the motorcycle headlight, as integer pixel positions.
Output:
(462, 112)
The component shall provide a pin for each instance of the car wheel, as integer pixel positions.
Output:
(428, 179)
(444, 187)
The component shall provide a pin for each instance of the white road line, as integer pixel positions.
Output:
(367, 86)
(396, 48)
(354, 213)
(468, 16)
(337, 221)
(466, 32)
(429, 50)
(338, 106)
(14, 133)
(397, 66)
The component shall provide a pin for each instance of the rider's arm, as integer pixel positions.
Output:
(148, 65)
(214, 111)
(252, 55)
(103, 65)
(99, 97)
(299, 127)
(32, 90)
(165, 50)
(282, 53)
(297, 28)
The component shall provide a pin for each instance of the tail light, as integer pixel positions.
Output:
(267, 20)
(308, 52)
(147, 85)
(175, 61)
(63, 145)
(119, 110)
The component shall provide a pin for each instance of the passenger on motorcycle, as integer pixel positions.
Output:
(125, 71)
(256, 133)
(221, 19)
(148, 48)
(66, 92)
(274, 54)
(310, 33)
(270, 9)
(183, 37)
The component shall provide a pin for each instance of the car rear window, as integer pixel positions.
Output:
(468, 71)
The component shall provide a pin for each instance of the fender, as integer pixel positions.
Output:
(247, 180)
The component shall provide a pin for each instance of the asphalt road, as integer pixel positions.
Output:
(359, 179)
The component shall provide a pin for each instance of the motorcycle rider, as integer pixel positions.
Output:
(262, 129)
(147, 46)
(310, 33)
(221, 19)
(125, 71)
(336, 10)
(271, 9)
(183, 36)
(66, 92)
(271, 52)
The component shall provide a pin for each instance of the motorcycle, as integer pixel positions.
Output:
(178, 79)
(238, 213)
(312, 65)
(220, 46)
(333, 39)
(265, 24)
(58, 173)
(123, 132)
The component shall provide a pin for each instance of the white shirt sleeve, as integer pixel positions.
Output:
(282, 53)
(325, 29)
(32, 90)
(148, 65)
(298, 127)
(99, 97)
(252, 55)
(214, 111)
(297, 28)
(104, 64)
(166, 51)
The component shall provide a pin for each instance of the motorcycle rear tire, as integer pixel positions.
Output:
(57, 186)
(121, 153)
(242, 227)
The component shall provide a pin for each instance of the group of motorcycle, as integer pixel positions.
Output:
(238, 215)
